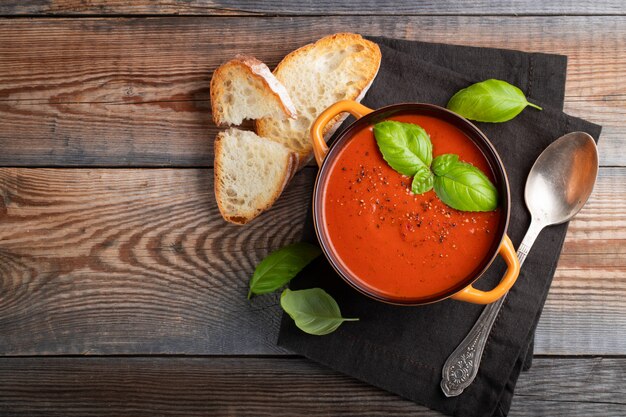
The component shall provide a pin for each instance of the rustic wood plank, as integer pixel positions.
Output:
(589, 284)
(572, 386)
(294, 7)
(132, 261)
(273, 386)
(134, 92)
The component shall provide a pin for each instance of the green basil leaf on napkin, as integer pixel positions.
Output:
(405, 146)
(462, 186)
(489, 101)
(280, 266)
(422, 181)
(313, 310)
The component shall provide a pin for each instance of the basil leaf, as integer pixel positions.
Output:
(422, 181)
(313, 310)
(443, 163)
(489, 101)
(280, 266)
(405, 146)
(464, 187)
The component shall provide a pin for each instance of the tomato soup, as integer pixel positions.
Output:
(399, 245)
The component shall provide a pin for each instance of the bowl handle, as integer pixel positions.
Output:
(472, 295)
(320, 149)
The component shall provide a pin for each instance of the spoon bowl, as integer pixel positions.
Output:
(562, 178)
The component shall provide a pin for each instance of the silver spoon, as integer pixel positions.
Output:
(557, 187)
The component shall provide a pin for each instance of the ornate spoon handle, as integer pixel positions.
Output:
(462, 366)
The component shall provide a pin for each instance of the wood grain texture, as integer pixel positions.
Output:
(273, 387)
(134, 92)
(587, 300)
(135, 261)
(132, 261)
(129, 261)
(294, 7)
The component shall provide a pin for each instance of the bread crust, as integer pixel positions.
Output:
(288, 173)
(257, 70)
(337, 40)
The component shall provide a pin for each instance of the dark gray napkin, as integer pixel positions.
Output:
(403, 349)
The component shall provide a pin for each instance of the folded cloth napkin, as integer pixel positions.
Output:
(402, 349)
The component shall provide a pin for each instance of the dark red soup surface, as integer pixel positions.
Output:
(397, 244)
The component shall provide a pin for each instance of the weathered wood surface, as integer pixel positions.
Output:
(584, 387)
(296, 7)
(134, 92)
(134, 261)
(138, 261)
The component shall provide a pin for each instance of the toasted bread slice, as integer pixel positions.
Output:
(250, 174)
(244, 88)
(337, 67)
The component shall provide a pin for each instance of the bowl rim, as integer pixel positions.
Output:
(473, 133)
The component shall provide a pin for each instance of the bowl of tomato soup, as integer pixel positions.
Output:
(396, 246)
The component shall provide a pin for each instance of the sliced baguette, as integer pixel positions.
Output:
(250, 174)
(337, 67)
(244, 88)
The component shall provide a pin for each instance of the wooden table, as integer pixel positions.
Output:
(122, 291)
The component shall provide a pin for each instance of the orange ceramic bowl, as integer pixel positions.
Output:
(408, 289)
